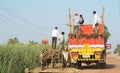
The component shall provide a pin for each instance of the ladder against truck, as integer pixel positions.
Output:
(88, 47)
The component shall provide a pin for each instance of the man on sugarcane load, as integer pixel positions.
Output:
(80, 22)
(55, 35)
(96, 22)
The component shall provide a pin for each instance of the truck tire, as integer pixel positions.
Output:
(78, 65)
(101, 65)
(73, 65)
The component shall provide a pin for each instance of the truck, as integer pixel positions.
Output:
(86, 46)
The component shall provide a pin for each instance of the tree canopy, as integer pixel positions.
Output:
(13, 41)
(117, 49)
(106, 33)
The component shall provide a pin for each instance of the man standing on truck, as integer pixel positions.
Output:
(96, 21)
(55, 35)
(81, 20)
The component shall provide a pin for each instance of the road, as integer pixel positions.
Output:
(113, 66)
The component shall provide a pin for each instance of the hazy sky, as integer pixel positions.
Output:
(35, 19)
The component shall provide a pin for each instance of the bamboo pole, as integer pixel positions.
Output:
(69, 24)
(72, 23)
(103, 15)
(103, 18)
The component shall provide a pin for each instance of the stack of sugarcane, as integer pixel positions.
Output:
(49, 56)
(45, 54)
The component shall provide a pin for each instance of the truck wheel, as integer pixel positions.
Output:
(98, 65)
(101, 65)
(78, 65)
(73, 65)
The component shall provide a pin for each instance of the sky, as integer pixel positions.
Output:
(35, 19)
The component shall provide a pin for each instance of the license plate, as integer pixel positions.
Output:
(86, 56)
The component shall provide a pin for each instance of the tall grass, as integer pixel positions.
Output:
(14, 58)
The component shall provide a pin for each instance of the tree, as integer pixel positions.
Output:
(16, 40)
(32, 42)
(13, 41)
(106, 33)
(117, 49)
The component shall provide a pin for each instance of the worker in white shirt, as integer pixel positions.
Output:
(96, 22)
(62, 40)
(55, 35)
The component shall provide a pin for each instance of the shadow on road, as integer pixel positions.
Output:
(94, 66)
(110, 66)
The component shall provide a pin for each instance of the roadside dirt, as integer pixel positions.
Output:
(113, 66)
